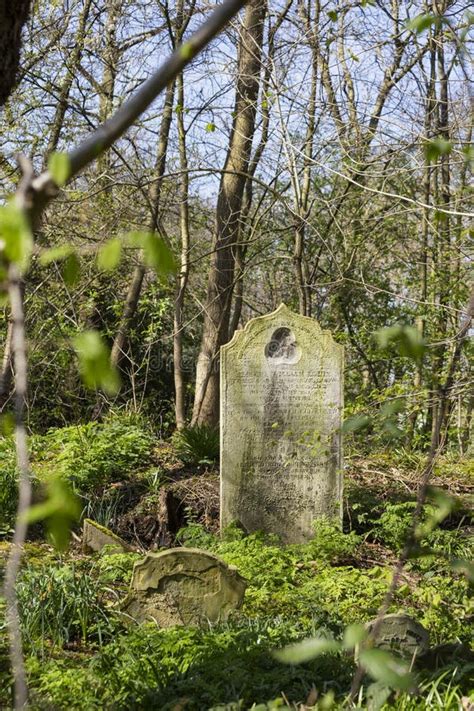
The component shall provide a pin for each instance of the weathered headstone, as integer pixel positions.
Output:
(401, 634)
(281, 408)
(183, 586)
(95, 537)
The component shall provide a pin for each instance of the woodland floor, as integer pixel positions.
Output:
(81, 656)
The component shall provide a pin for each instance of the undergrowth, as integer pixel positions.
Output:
(81, 656)
(90, 660)
(89, 456)
(96, 453)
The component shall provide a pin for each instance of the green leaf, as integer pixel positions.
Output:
(445, 503)
(356, 422)
(211, 127)
(306, 650)
(443, 506)
(392, 407)
(327, 701)
(186, 50)
(377, 695)
(354, 635)
(16, 238)
(468, 154)
(392, 430)
(109, 255)
(59, 166)
(332, 14)
(157, 254)
(407, 339)
(437, 147)
(466, 567)
(389, 670)
(71, 269)
(60, 509)
(94, 362)
(55, 254)
(7, 424)
(423, 22)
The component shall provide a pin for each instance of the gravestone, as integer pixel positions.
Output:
(95, 537)
(183, 586)
(401, 634)
(281, 409)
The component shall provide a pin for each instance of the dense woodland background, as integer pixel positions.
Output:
(317, 154)
(350, 137)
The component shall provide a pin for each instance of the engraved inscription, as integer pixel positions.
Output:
(281, 458)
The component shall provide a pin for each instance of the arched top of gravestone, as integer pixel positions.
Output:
(287, 333)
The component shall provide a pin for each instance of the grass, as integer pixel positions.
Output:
(80, 656)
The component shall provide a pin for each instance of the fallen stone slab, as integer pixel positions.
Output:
(401, 634)
(95, 537)
(183, 586)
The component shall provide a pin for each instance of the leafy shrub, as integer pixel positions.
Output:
(104, 508)
(197, 445)
(194, 535)
(152, 668)
(60, 604)
(393, 526)
(8, 484)
(330, 544)
(116, 567)
(95, 454)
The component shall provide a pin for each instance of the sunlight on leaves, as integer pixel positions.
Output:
(55, 254)
(59, 166)
(306, 650)
(384, 667)
(108, 257)
(94, 362)
(60, 509)
(16, 238)
(156, 252)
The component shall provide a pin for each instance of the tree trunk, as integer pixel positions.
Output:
(110, 58)
(13, 15)
(136, 283)
(228, 215)
(71, 69)
(425, 230)
(443, 276)
(179, 381)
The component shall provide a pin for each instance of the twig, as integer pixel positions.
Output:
(43, 186)
(24, 495)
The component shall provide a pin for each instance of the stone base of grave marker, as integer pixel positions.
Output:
(281, 409)
(183, 586)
